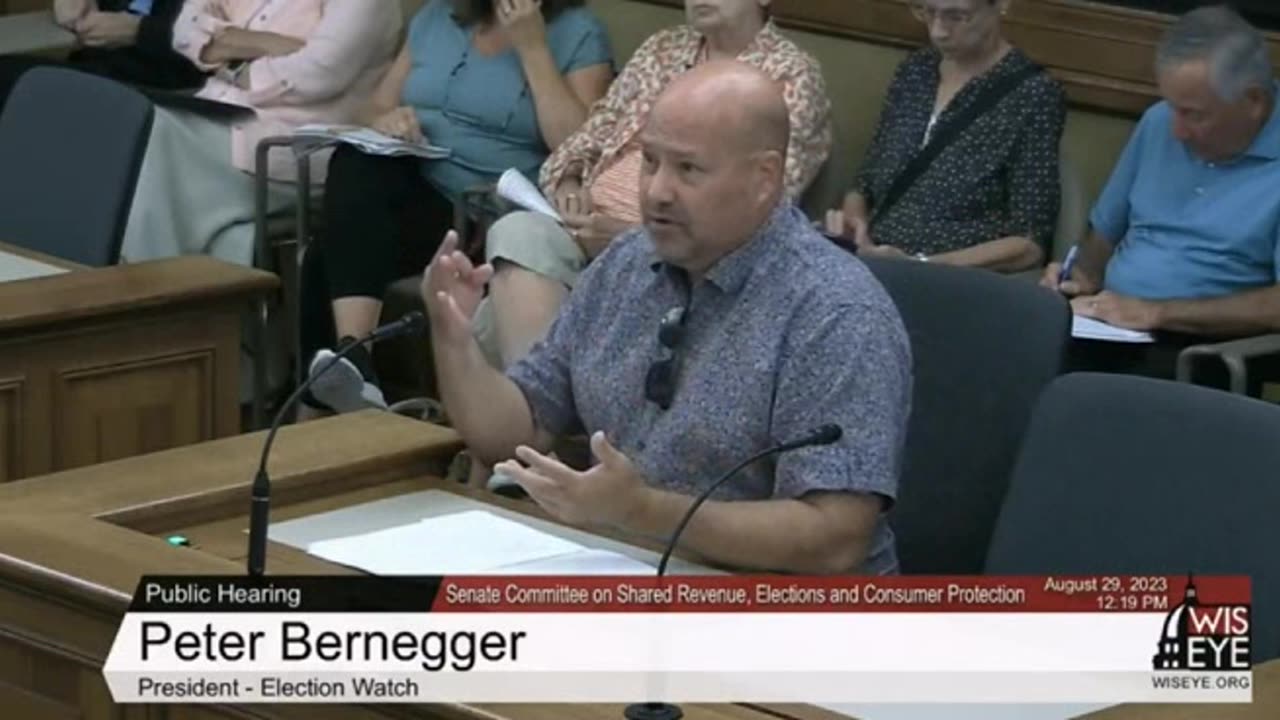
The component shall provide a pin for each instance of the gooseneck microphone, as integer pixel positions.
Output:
(259, 509)
(822, 435)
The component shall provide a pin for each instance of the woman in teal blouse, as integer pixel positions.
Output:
(500, 83)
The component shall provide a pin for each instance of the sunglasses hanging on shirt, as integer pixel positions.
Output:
(660, 381)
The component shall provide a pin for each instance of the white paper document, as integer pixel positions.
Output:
(1090, 329)
(17, 267)
(474, 542)
(514, 187)
(368, 141)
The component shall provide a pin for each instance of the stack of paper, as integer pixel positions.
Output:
(1090, 329)
(368, 141)
(515, 187)
(476, 542)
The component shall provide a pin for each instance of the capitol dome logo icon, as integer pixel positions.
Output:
(1198, 636)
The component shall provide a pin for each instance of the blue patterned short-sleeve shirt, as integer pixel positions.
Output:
(787, 333)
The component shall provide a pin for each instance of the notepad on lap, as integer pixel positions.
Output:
(515, 187)
(1090, 329)
(472, 542)
(369, 141)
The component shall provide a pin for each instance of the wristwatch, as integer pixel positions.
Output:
(922, 257)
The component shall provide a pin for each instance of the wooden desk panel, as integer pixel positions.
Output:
(74, 545)
(104, 363)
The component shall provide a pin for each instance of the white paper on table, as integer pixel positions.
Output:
(515, 187)
(1089, 329)
(465, 543)
(17, 267)
(583, 562)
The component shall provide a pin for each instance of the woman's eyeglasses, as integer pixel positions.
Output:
(660, 381)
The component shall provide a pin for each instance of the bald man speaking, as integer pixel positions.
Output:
(722, 326)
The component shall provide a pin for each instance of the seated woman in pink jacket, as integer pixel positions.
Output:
(294, 62)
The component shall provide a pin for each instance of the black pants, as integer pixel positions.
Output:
(382, 221)
(1159, 360)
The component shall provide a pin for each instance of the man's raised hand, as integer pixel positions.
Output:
(452, 288)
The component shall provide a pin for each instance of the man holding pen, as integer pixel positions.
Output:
(1185, 238)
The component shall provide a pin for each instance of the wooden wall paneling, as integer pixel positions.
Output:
(1103, 55)
(95, 697)
(121, 361)
(55, 687)
(25, 415)
(119, 409)
(11, 389)
(51, 665)
(20, 703)
(96, 393)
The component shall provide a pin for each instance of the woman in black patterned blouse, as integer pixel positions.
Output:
(990, 197)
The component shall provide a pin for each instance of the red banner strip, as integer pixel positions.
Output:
(719, 594)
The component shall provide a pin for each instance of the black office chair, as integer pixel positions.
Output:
(71, 146)
(984, 346)
(1130, 475)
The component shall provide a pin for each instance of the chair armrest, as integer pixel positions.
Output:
(1233, 355)
(263, 257)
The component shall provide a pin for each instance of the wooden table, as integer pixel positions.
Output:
(102, 363)
(74, 545)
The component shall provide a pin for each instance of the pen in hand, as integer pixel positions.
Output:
(1068, 263)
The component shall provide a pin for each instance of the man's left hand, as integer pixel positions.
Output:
(1119, 310)
(108, 29)
(611, 493)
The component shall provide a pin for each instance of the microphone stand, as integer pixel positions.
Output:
(260, 505)
(824, 435)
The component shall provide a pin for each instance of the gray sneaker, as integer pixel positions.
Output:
(342, 388)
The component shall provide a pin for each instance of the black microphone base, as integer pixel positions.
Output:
(653, 711)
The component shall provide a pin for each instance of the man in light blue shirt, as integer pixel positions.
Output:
(1186, 235)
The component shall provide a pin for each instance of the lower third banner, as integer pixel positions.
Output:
(685, 639)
